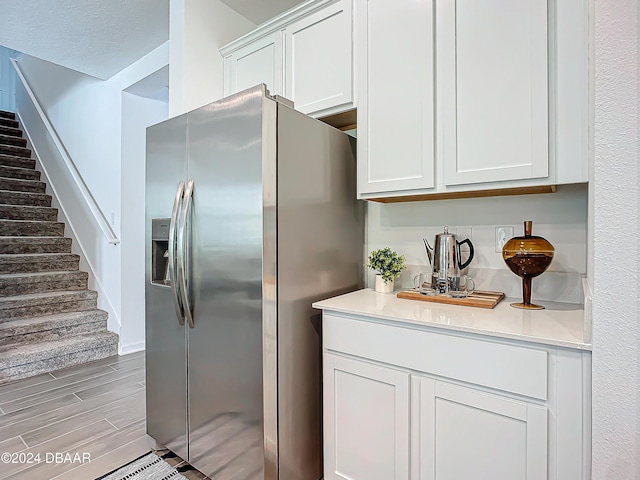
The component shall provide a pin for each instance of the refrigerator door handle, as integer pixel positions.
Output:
(184, 251)
(173, 254)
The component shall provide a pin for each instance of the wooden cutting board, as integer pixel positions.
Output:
(478, 298)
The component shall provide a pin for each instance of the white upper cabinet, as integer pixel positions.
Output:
(318, 60)
(305, 54)
(492, 90)
(396, 112)
(258, 62)
(461, 95)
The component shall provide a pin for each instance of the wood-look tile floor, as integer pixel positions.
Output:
(96, 410)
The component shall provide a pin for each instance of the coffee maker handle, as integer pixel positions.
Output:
(471, 252)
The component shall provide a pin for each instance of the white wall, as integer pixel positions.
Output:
(87, 114)
(616, 210)
(137, 114)
(7, 78)
(197, 29)
(559, 217)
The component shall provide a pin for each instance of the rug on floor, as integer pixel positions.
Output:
(148, 467)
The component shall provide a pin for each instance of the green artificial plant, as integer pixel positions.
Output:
(387, 263)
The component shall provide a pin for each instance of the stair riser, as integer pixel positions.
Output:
(54, 333)
(72, 281)
(20, 162)
(13, 141)
(53, 266)
(16, 185)
(57, 363)
(27, 199)
(15, 151)
(17, 213)
(19, 173)
(6, 122)
(37, 310)
(6, 114)
(18, 248)
(12, 132)
(31, 229)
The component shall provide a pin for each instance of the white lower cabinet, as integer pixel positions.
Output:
(404, 402)
(366, 416)
(461, 433)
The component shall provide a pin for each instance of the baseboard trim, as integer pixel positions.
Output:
(130, 348)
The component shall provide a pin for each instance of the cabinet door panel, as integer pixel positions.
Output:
(493, 83)
(366, 421)
(396, 95)
(498, 438)
(255, 63)
(318, 59)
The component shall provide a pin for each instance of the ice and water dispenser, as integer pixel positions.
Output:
(160, 251)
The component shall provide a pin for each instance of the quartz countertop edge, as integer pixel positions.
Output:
(559, 324)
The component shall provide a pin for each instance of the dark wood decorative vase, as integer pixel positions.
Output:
(527, 256)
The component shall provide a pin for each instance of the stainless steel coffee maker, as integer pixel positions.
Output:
(445, 259)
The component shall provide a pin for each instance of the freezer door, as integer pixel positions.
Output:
(166, 371)
(224, 282)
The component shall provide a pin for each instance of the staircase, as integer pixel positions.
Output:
(48, 318)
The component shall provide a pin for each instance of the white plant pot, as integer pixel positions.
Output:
(382, 286)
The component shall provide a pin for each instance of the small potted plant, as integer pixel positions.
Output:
(388, 265)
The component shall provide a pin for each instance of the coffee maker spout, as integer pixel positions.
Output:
(429, 250)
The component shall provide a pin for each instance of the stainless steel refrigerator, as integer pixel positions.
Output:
(251, 215)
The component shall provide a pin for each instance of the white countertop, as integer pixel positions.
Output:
(559, 324)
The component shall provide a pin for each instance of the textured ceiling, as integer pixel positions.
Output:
(96, 37)
(101, 37)
(259, 11)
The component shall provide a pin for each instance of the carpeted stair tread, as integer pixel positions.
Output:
(7, 171)
(46, 298)
(14, 161)
(38, 257)
(15, 151)
(67, 264)
(11, 131)
(28, 212)
(12, 284)
(23, 331)
(47, 322)
(44, 244)
(35, 352)
(47, 303)
(21, 185)
(59, 354)
(7, 114)
(24, 198)
(28, 228)
(7, 122)
(16, 263)
(13, 140)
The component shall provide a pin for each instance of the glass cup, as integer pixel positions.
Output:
(461, 286)
(422, 282)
